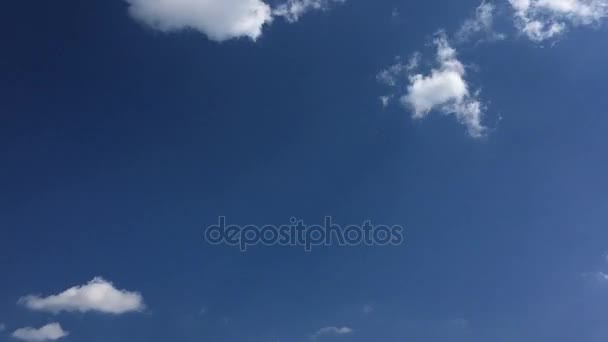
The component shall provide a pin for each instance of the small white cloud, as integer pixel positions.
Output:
(49, 332)
(2, 327)
(482, 24)
(218, 19)
(544, 19)
(98, 295)
(292, 10)
(368, 309)
(332, 331)
(385, 100)
(446, 90)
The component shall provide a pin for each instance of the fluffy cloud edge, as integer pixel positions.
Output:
(220, 20)
(49, 332)
(98, 295)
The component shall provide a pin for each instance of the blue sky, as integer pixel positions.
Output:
(128, 127)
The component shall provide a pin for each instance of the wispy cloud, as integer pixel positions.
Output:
(385, 100)
(336, 331)
(292, 10)
(391, 75)
(480, 25)
(98, 295)
(397, 72)
(49, 332)
(598, 278)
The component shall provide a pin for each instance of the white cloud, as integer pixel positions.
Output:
(544, 19)
(49, 332)
(368, 309)
(445, 90)
(292, 10)
(2, 327)
(98, 295)
(481, 24)
(332, 331)
(218, 19)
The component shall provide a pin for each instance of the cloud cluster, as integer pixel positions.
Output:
(544, 19)
(98, 295)
(332, 331)
(49, 332)
(444, 89)
(219, 20)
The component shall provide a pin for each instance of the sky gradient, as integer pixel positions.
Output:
(128, 127)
